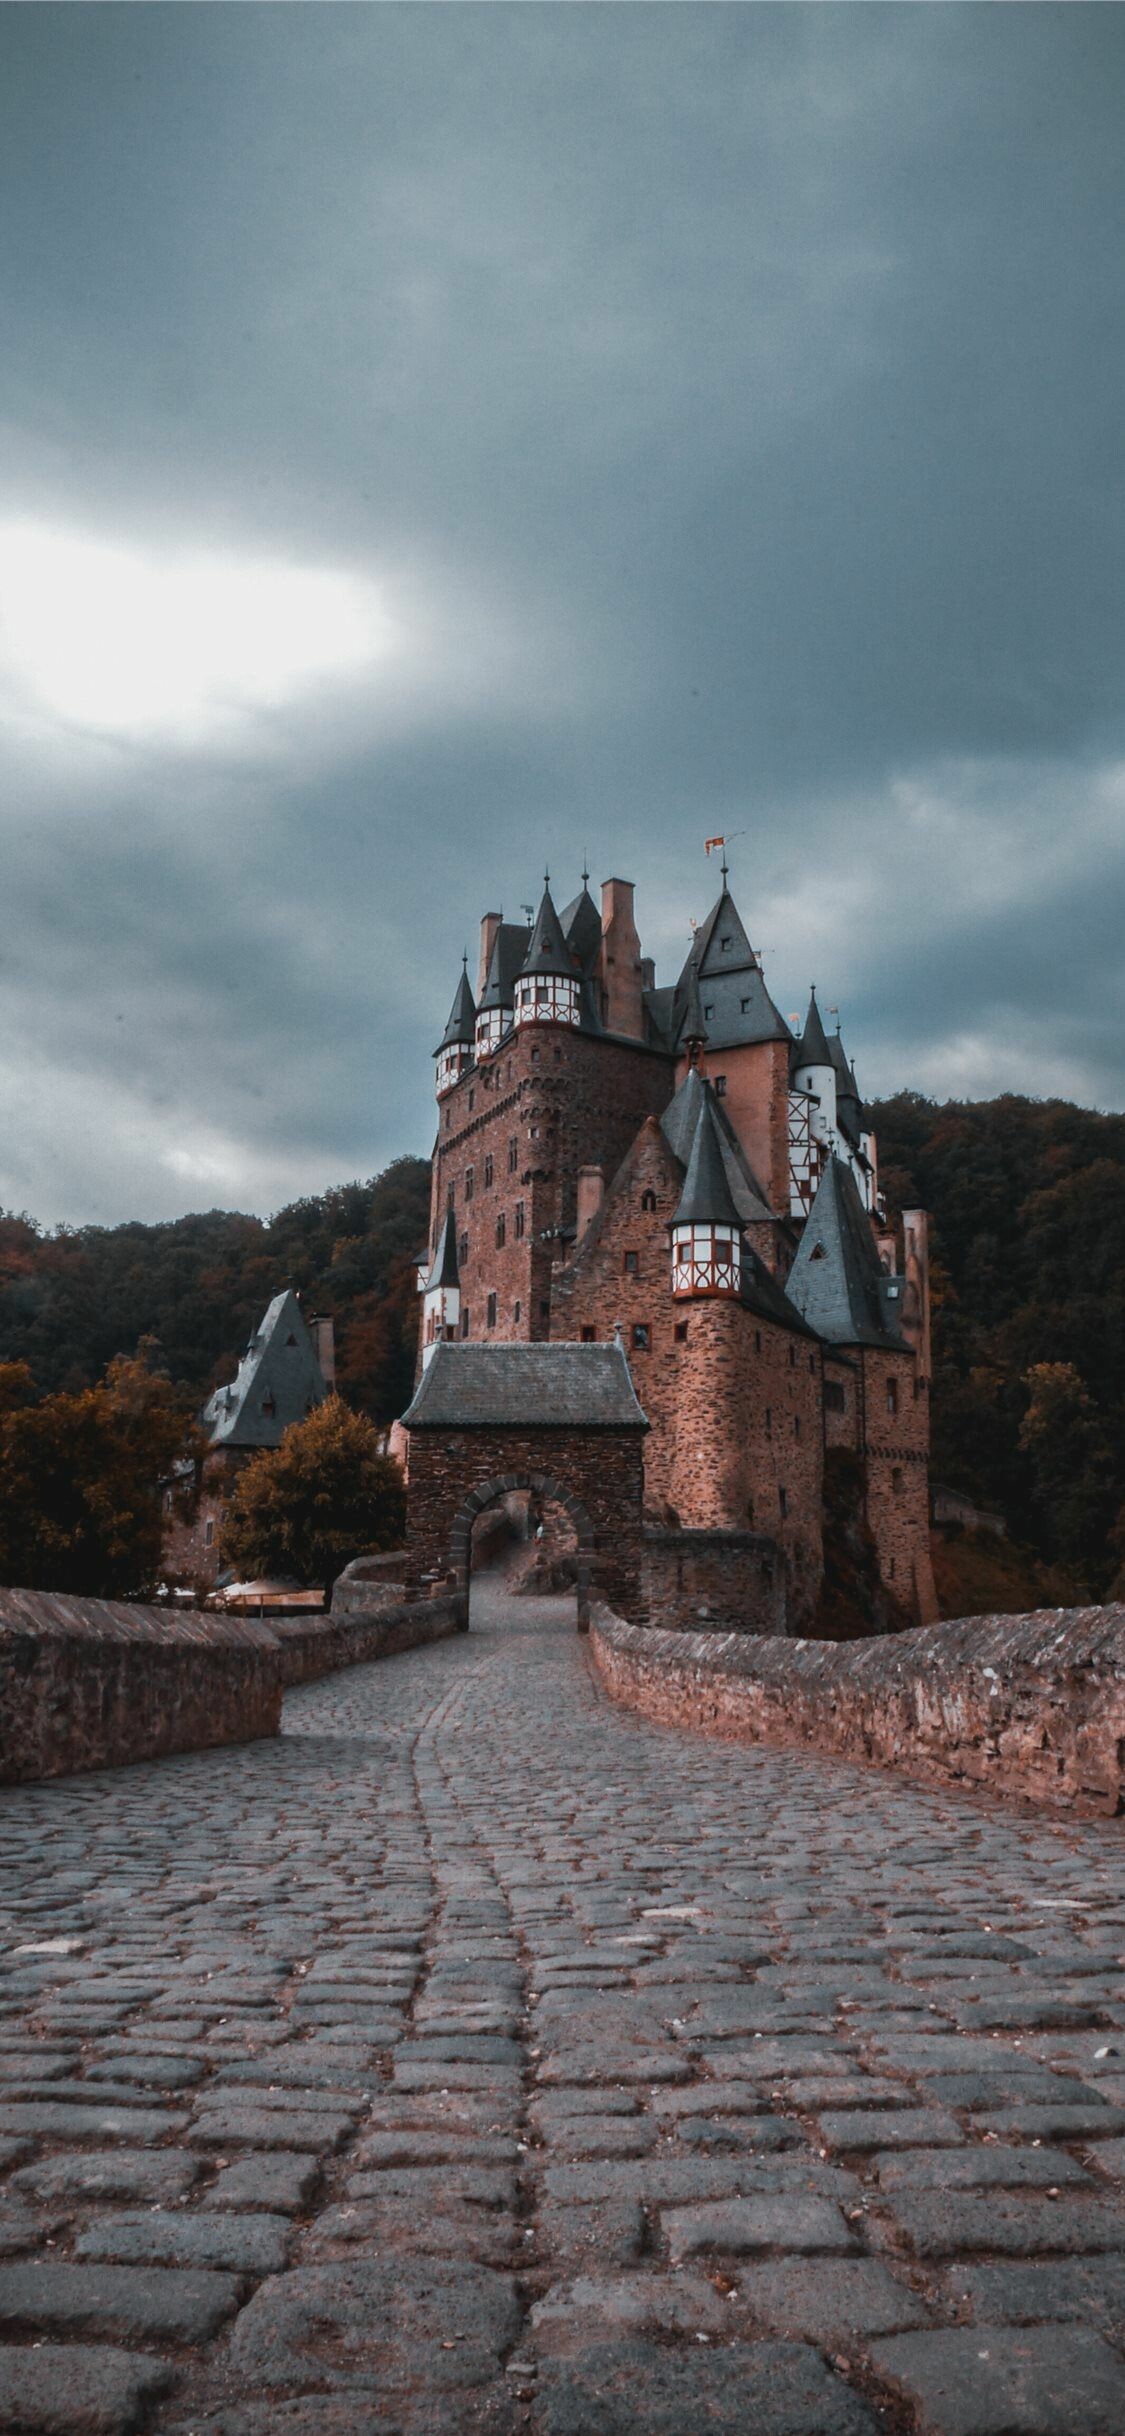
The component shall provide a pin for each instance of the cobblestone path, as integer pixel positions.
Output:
(479, 2058)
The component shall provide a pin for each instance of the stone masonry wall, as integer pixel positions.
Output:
(321, 1645)
(601, 1469)
(89, 1683)
(749, 1450)
(1030, 1706)
(551, 1102)
(896, 1441)
(733, 1580)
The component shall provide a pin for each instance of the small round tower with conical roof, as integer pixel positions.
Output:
(548, 987)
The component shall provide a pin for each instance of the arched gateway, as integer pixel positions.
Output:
(562, 1421)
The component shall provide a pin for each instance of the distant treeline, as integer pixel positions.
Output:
(1028, 1205)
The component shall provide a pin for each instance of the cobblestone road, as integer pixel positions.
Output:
(479, 2058)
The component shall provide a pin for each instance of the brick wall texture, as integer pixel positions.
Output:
(90, 1683)
(729, 1579)
(1031, 1707)
(596, 1474)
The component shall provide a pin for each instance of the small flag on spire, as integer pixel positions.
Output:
(710, 843)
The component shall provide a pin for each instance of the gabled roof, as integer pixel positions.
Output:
(462, 1016)
(836, 1281)
(443, 1267)
(678, 1126)
(706, 1199)
(508, 951)
(812, 1048)
(736, 1005)
(547, 950)
(279, 1380)
(660, 1010)
(558, 1386)
(582, 927)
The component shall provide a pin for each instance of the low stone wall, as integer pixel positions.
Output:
(89, 1683)
(319, 1645)
(1028, 1706)
(370, 1582)
(733, 1581)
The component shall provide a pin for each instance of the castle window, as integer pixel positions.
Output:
(269, 1404)
(463, 1250)
(812, 1365)
(681, 1332)
(796, 1425)
(792, 1357)
(641, 1336)
(757, 1340)
(817, 1252)
(208, 1534)
(769, 1420)
(450, 1193)
(588, 1336)
(447, 1120)
(468, 1184)
(720, 1086)
(892, 1395)
(519, 1218)
(648, 1201)
(631, 1264)
(725, 946)
(891, 1570)
(169, 1497)
(535, 1057)
(783, 1502)
(896, 1480)
(835, 1398)
(513, 1156)
(517, 1308)
(472, 1101)
(501, 1231)
(544, 1308)
(488, 1167)
(745, 1005)
(707, 1014)
(290, 1339)
(490, 1311)
(464, 1323)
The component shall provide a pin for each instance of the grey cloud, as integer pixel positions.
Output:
(731, 397)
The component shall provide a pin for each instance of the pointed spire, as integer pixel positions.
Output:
(706, 1199)
(497, 991)
(813, 1049)
(547, 951)
(462, 1015)
(836, 1281)
(581, 925)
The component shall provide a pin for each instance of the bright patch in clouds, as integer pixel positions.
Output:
(182, 645)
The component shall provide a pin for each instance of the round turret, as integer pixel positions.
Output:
(547, 985)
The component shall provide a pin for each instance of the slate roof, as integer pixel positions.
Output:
(678, 1126)
(836, 1281)
(849, 1106)
(280, 1369)
(508, 951)
(547, 950)
(443, 1268)
(559, 1386)
(812, 1049)
(706, 1199)
(462, 1016)
(737, 1007)
(582, 927)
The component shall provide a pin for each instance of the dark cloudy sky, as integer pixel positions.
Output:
(437, 441)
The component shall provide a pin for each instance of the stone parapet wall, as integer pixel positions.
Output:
(320, 1645)
(1029, 1706)
(368, 1583)
(729, 1580)
(90, 1683)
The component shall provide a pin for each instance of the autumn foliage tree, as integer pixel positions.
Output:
(80, 1479)
(305, 1508)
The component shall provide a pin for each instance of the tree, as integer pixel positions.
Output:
(80, 1481)
(325, 1495)
(1063, 1437)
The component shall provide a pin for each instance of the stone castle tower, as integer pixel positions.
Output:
(672, 1166)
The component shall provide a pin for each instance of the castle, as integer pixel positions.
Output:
(673, 1168)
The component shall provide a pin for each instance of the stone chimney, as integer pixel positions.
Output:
(323, 1333)
(591, 1194)
(488, 929)
(620, 961)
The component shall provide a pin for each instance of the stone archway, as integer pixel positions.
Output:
(539, 1484)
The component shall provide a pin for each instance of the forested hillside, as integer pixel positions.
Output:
(1028, 1203)
(71, 1300)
